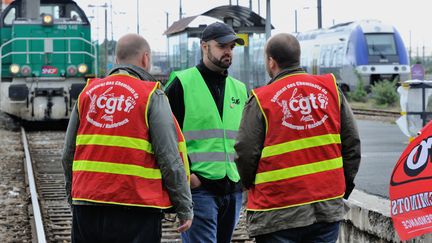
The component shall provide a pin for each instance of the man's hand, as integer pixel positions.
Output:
(184, 225)
(194, 181)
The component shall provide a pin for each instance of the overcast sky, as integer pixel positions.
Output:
(411, 18)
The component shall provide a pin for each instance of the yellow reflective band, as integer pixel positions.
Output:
(148, 102)
(182, 149)
(118, 141)
(262, 110)
(297, 171)
(290, 75)
(116, 203)
(300, 144)
(79, 97)
(337, 90)
(296, 205)
(115, 168)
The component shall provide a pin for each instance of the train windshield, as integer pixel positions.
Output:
(381, 44)
(10, 16)
(69, 12)
(62, 13)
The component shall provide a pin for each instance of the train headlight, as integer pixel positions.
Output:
(82, 68)
(47, 19)
(14, 68)
(72, 70)
(404, 68)
(26, 70)
(396, 68)
(373, 69)
(364, 69)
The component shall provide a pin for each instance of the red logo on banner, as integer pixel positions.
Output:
(410, 188)
(49, 70)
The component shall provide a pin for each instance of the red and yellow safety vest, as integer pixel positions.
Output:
(301, 161)
(114, 161)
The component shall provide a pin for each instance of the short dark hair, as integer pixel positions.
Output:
(284, 49)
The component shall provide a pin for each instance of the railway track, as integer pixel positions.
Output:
(376, 113)
(51, 213)
(44, 155)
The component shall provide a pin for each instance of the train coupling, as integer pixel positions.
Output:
(42, 102)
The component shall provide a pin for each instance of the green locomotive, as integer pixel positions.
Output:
(46, 56)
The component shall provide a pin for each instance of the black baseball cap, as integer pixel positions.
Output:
(221, 33)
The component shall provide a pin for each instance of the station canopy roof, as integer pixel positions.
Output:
(242, 19)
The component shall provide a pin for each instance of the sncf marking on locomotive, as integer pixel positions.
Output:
(49, 70)
(303, 105)
(109, 107)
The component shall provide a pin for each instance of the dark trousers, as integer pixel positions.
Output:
(115, 224)
(315, 233)
(215, 217)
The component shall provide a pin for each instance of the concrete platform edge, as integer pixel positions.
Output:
(368, 220)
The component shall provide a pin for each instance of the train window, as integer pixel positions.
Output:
(75, 16)
(53, 10)
(324, 55)
(332, 58)
(63, 12)
(10, 17)
(339, 55)
(381, 44)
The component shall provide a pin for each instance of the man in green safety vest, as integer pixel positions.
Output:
(208, 105)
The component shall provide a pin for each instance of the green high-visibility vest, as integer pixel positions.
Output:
(210, 139)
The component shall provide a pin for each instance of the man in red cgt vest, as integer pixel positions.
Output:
(125, 156)
(298, 151)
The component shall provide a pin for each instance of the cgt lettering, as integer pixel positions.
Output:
(111, 104)
(305, 104)
(417, 159)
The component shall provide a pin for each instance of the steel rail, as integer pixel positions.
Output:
(40, 232)
(374, 112)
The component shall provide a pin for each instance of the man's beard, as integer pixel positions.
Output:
(220, 63)
(269, 72)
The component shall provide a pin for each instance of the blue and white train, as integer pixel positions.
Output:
(366, 49)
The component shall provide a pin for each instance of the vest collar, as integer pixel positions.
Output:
(285, 72)
(134, 71)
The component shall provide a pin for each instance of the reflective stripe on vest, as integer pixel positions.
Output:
(300, 144)
(210, 139)
(206, 134)
(119, 141)
(297, 171)
(299, 164)
(210, 134)
(211, 157)
(116, 168)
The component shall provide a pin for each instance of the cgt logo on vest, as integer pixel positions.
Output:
(298, 109)
(108, 109)
(414, 166)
